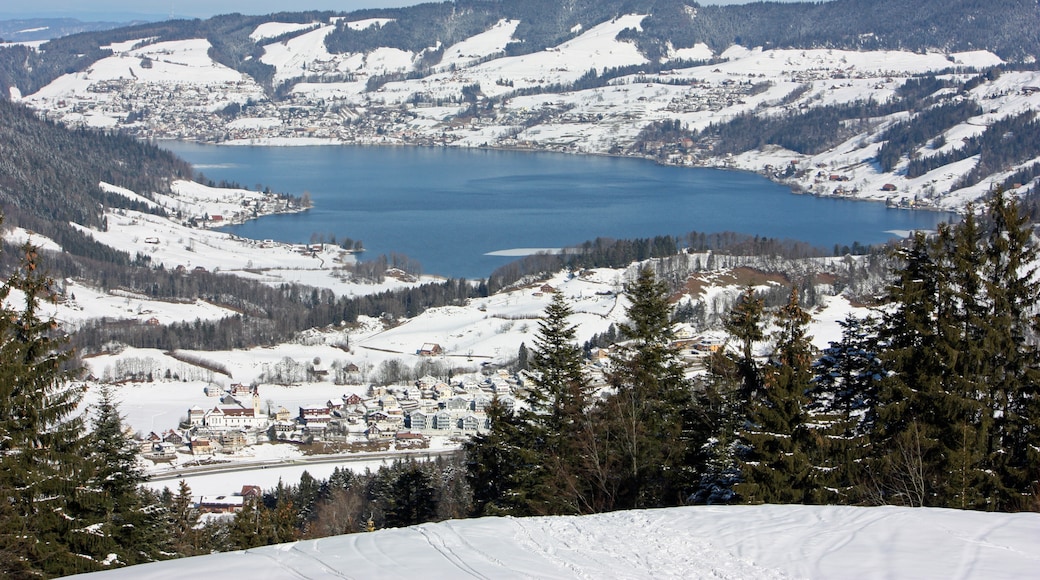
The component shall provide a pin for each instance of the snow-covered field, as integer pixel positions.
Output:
(732, 542)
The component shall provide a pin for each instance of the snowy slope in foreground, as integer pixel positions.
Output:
(697, 542)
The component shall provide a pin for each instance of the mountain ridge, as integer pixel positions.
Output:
(660, 79)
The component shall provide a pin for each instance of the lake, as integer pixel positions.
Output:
(449, 208)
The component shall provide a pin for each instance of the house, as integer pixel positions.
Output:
(233, 440)
(430, 349)
(442, 421)
(889, 187)
(408, 439)
(458, 403)
(419, 421)
(196, 416)
(221, 504)
(202, 447)
(315, 416)
(470, 422)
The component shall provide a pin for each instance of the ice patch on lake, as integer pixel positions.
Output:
(520, 252)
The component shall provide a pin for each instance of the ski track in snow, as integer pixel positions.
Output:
(767, 542)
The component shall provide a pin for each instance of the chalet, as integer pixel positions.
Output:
(430, 349)
(470, 422)
(221, 504)
(251, 492)
(458, 403)
(233, 440)
(352, 400)
(202, 447)
(172, 436)
(889, 187)
(213, 390)
(408, 439)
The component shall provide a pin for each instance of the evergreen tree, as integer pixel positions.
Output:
(908, 451)
(499, 463)
(843, 399)
(1010, 339)
(183, 520)
(41, 435)
(781, 444)
(555, 413)
(412, 498)
(128, 520)
(745, 324)
(643, 423)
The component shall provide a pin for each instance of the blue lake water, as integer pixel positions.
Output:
(448, 208)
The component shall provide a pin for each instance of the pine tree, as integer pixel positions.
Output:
(41, 435)
(412, 498)
(844, 398)
(781, 444)
(555, 414)
(745, 324)
(1010, 340)
(643, 424)
(500, 464)
(127, 522)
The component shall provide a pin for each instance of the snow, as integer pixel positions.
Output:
(482, 45)
(762, 542)
(276, 29)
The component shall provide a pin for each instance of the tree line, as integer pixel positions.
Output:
(932, 401)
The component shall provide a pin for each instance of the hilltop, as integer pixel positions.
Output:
(698, 542)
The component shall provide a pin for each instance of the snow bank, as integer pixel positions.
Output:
(759, 542)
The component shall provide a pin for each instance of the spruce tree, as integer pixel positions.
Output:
(41, 435)
(500, 464)
(780, 442)
(843, 399)
(412, 498)
(643, 423)
(127, 520)
(1010, 340)
(908, 451)
(555, 414)
(745, 324)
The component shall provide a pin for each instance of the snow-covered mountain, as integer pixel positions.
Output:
(732, 542)
(596, 90)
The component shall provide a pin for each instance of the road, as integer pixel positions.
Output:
(183, 471)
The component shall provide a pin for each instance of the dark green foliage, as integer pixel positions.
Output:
(1004, 143)
(843, 400)
(642, 425)
(780, 443)
(903, 139)
(49, 176)
(809, 132)
(41, 437)
(501, 464)
(412, 497)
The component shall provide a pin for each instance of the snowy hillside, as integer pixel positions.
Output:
(564, 98)
(734, 542)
